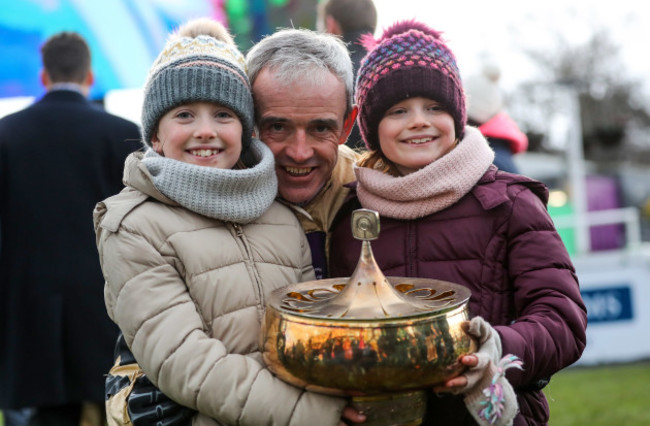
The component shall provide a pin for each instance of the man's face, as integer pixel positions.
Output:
(303, 124)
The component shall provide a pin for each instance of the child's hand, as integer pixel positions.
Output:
(457, 383)
(351, 416)
(488, 395)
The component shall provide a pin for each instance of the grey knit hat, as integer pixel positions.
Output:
(197, 69)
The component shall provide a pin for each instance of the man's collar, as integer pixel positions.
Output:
(73, 87)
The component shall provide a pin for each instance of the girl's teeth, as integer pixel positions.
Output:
(423, 140)
(204, 152)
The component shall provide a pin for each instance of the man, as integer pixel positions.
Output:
(58, 158)
(303, 89)
(349, 19)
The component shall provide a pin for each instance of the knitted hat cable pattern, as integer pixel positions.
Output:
(197, 69)
(410, 59)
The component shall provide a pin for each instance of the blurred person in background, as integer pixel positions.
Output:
(485, 110)
(58, 158)
(350, 20)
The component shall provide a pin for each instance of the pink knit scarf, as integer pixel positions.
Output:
(430, 189)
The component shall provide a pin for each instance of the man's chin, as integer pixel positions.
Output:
(298, 196)
(295, 199)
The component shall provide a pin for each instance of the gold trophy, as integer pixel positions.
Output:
(379, 340)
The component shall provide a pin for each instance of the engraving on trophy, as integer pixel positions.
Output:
(304, 301)
(365, 224)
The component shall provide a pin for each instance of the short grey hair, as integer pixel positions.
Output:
(295, 54)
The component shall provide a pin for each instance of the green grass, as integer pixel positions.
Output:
(595, 396)
(604, 395)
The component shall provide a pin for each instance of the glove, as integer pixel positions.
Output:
(489, 397)
(148, 406)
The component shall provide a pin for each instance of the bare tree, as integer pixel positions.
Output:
(615, 126)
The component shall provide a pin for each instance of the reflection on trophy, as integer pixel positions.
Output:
(379, 340)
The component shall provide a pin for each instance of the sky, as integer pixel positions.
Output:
(498, 29)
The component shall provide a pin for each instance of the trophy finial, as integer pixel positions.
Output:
(365, 224)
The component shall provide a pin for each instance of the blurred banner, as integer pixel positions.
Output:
(125, 35)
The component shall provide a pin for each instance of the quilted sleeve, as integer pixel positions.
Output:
(550, 328)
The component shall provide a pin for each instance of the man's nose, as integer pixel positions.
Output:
(300, 149)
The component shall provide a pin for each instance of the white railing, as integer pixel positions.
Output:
(628, 216)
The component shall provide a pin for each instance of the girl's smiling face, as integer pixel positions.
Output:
(416, 132)
(201, 133)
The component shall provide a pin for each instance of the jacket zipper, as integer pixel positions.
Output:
(248, 258)
(410, 249)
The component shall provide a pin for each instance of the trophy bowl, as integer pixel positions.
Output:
(379, 340)
(341, 356)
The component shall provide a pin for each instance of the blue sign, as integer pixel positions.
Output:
(608, 304)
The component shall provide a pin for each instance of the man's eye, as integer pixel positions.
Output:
(276, 127)
(321, 129)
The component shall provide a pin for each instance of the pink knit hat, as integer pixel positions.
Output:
(410, 59)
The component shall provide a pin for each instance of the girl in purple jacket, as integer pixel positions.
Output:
(448, 213)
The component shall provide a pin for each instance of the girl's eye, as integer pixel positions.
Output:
(223, 114)
(183, 114)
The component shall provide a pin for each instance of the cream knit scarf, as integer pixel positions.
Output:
(238, 196)
(430, 189)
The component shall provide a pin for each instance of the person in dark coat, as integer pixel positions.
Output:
(448, 213)
(350, 20)
(58, 158)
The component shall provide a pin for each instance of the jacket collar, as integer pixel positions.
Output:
(496, 193)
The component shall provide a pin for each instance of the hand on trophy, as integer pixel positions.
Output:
(489, 397)
(457, 384)
(351, 416)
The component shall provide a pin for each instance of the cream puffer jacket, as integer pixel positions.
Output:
(188, 293)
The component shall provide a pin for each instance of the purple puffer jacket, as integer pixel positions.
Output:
(498, 241)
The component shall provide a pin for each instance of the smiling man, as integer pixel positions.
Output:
(303, 89)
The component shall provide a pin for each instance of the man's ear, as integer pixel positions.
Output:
(348, 124)
(332, 27)
(45, 79)
(90, 79)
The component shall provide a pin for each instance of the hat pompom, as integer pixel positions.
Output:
(205, 27)
(368, 41)
(400, 27)
(484, 97)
